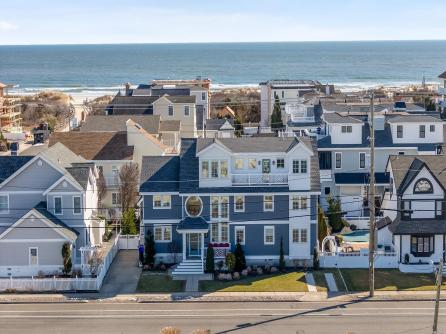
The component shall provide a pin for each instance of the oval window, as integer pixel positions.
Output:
(194, 205)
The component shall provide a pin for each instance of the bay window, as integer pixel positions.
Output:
(422, 245)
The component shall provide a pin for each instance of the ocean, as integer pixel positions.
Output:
(101, 69)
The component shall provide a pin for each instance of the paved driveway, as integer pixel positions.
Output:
(123, 274)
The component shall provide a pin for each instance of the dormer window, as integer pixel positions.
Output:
(346, 129)
(423, 186)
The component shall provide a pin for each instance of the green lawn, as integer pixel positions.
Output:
(289, 282)
(389, 280)
(162, 283)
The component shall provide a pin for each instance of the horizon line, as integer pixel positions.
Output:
(226, 42)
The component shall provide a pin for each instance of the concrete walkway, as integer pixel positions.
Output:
(331, 283)
(123, 275)
(311, 284)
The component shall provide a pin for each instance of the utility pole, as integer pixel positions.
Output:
(437, 299)
(372, 200)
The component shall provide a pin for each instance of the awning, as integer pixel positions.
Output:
(193, 225)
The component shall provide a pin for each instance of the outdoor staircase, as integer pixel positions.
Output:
(189, 267)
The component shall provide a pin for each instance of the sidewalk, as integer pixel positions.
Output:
(218, 297)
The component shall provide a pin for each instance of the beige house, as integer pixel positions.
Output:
(178, 108)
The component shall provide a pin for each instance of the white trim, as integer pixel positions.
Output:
(23, 192)
(161, 207)
(235, 203)
(264, 202)
(300, 144)
(335, 160)
(215, 143)
(40, 217)
(55, 184)
(163, 231)
(29, 256)
(61, 205)
(185, 206)
(264, 234)
(30, 240)
(80, 205)
(7, 206)
(359, 157)
(240, 228)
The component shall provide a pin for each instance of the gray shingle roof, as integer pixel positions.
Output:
(80, 174)
(216, 123)
(338, 119)
(414, 119)
(114, 123)
(131, 105)
(64, 228)
(442, 75)
(170, 125)
(251, 144)
(10, 164)
(418, 226)
(406, 167)
(159, 174)
(181, 98)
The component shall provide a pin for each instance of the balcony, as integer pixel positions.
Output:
(259, 179)
(112, 181)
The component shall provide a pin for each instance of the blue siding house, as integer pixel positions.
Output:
(254, 191)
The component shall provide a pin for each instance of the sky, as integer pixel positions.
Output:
(180, 21)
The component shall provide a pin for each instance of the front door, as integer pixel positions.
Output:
(266, 166)
(193, 245)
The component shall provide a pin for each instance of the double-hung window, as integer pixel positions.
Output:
(186, 110)
(299, 235)
(219, 207)
(252, 163)
(162, 233)
(361, 160)
(268, 235)
(422, 131)
(57, 205)
(161, 201)
(214, 169)
(240, 235)
(432, 128)
(296, 166)
(219, 232)
(203, 96)
(346, 129)
(238, 163)
(239, 203)
(300, 166)
(170, 110)
(33, 256)
(4, 204)
(77, 205)
(303, 166)
(338, 160)
(116, 198)
(268, 203)
(280, 163)
(299, 202)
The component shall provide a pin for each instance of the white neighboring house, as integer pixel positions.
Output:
(414, 210)
(219, 128)
(344, 154)
(46, 201)
(288, 92)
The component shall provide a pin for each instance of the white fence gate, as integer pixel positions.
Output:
(128, 241)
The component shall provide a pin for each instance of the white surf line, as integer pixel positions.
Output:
(331, 283)
(309, 278)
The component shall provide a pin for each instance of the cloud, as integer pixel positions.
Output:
(6, 26)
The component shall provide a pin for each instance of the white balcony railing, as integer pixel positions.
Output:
(259, 179)
(112, 181)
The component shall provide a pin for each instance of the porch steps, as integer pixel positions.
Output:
(189, 267)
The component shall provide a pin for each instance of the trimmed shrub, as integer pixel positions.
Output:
(149, 248)
(210, 263)
(66, 256)
(281, 256)
(240, 260)
(230, 261)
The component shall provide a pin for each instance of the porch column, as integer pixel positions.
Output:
(184, 246)
(202, 245)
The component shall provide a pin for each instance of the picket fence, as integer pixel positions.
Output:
(62, 284)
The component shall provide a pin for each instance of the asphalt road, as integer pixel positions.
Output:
(272, 317)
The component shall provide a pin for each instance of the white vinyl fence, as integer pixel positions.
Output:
(128, 241)
(62, 284)
(357, 260)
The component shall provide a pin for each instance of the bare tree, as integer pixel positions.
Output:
(129, 179)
